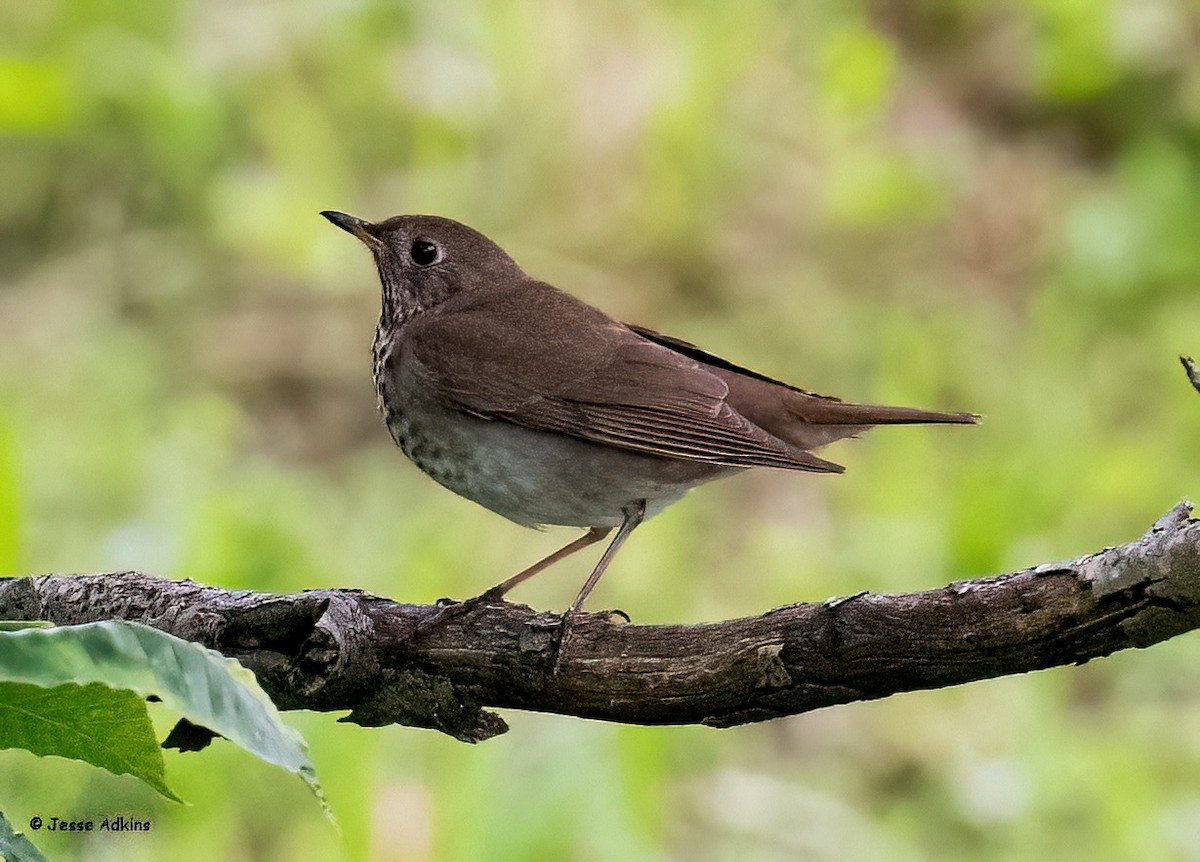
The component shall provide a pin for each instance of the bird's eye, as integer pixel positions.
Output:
(425, 253)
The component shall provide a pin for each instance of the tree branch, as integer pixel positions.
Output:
(1193, 372)
(349, 650)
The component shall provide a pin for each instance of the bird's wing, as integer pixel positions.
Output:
(803, 418)
(531, 355)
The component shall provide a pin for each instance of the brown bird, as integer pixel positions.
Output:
(546, 410)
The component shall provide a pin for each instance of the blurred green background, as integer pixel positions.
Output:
(992, 207)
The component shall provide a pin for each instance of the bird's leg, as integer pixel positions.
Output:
(634, 514)
(595, 534)
(449, 611)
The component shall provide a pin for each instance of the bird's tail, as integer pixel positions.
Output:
(830, 412)
(817, 420)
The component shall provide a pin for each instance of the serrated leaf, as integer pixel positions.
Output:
(200, 684)
(106, 727)
(15, 847)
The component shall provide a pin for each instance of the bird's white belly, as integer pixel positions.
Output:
(541, 477)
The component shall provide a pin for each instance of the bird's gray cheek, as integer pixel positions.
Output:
(437, 285)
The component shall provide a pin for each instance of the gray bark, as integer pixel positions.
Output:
(349, 650)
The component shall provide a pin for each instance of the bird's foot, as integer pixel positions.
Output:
(561, 636)
(449, 609)
(568, 621)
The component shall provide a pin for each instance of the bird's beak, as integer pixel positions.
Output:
(353, 225)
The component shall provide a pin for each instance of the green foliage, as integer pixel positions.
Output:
(106, 727)
(10, 508)
(79, 691)
(975, 206)
(33, 95)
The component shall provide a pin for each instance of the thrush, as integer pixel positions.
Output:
(547, 411)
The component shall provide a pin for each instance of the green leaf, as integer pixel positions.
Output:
(17, 625)
(106, 727)
(15, 847)
(200, 684)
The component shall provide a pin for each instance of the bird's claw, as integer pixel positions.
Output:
(446, 609)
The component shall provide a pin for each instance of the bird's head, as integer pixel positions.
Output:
(423, 260)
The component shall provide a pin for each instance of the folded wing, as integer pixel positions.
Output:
(534, 356)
